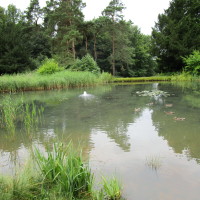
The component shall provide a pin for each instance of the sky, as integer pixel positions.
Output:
(142, 13)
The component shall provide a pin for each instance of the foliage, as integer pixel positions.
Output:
(65, 168)
(116, 45)
(50, 66)
(176, 34)
(35, 81)
(183, 77)
(14, 114)
(87, 63)
(14, 56)
(193, 63)
(62, 21)
(112, 188)
(105, 77)
(143, 79)
(61, 175)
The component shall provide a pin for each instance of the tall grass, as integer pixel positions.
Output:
(16, 114)
(143, 79)
(63, 79)
(59, 175)
(64, 168)
(185, 77)
(112, 188)
(9, 114)
(32, 116)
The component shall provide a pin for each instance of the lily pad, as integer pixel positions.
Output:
(153, 93)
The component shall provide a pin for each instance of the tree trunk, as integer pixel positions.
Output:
(95, 51)
(73, 50)
(113, 56)
(86, 44)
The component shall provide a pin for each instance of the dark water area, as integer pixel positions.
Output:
(152, 144)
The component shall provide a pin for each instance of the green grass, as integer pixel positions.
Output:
(112, 188)
(59, 174)
(184, 77)
(143, 79)
(69, 79)
(63, 79)
(14, 114)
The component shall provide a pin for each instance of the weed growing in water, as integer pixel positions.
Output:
(154, 162)
(15, 114)
(9, 114)
(32, 116)
(64, 168)
(60, 175)
(112, 188)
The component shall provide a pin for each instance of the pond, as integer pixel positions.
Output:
(151, 143)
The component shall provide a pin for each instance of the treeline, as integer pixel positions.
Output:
(59, 31)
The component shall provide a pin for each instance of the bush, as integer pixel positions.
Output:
(87, 63)
(193, 63)
(50, 66)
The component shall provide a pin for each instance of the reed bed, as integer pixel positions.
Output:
(63, 79)
(18, 114)
(59, 175)
(69, 79)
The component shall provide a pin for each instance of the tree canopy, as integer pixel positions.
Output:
(176, 34)
(117, 46)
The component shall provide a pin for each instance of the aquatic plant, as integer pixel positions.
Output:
(64, 167)
(32, 116)
(14, 114)
(9, 114)
(59, 174)
(153, 93)
(154, 162)
(112, 188)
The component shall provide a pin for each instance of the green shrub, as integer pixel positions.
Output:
(193, 63)
(50, 66)
(87, 63)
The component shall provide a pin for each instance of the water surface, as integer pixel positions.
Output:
(136, 138)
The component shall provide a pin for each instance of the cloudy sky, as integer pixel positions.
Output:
(142, 13)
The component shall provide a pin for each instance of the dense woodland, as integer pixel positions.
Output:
(59, 31)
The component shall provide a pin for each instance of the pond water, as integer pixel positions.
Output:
(152, 144)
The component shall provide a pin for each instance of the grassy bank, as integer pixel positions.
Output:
(142, 79)
(176, 77)
(63, 79)
(59, 175)
(69, 79)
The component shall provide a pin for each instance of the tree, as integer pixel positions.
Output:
(176, 34)
(63, 19)
(37, 40)
(113, 12)
(34, 12)
(14, 56)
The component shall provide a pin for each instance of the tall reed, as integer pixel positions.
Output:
(32, 116)
(9, 114)
(64, 168)
(60, 174)
(14, 114)
(63, 79)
